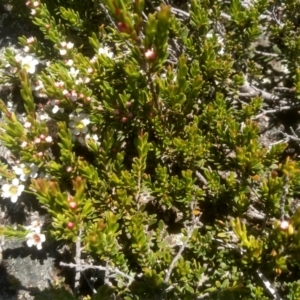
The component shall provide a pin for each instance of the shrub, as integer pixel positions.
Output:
(141, 141)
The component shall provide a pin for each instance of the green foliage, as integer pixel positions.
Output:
(148, 158)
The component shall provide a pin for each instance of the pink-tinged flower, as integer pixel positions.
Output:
(150, 55)
(13, 190)
(35, 239)
(18, 58)
(284, 225)
(36, 3)
(90, 70)
(37, 140)
(59, 84)
(74, 96)
(72, 205)
(26, 49)
(40, 154)
(63, 44)
(28, 3)
(42, 137)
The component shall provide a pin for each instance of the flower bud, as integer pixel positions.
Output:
(72, 205)
(122, 27)
(70, 225)
(69, 169)
(150, 55)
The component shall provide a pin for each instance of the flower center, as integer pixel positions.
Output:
(26, 67)
(80, 125)
(36, 238)
(26, 170)
(13, 190)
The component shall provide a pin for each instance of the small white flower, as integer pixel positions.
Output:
(44, 117)
(55, 107)
(26, 170)
(28, 63)
(49, 139)
(8, 7)
(70, 62)
(37, 85)
(18, 58)
(62, 51)
(70, 45)
(36, 239)
(73, 72)
(78, 124)
(27, 125)
(284, 225)
(13, 190)
(26, 49)
(30, 40)
(105, 51)
(35, 226)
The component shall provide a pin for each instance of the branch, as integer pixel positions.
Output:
(190, 230)
(114, 271)
(77, 260)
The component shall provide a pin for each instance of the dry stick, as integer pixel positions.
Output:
(77, 260)
(284, 196)
(112, 270)
(182, 248)
(201, 178)
(268, 285)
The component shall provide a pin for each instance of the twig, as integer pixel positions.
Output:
(284, 196)
(248, 90)
(77, 260)
(201, 178)
(271, 111)
(112, 270)
(268, 285)
(190, 231)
